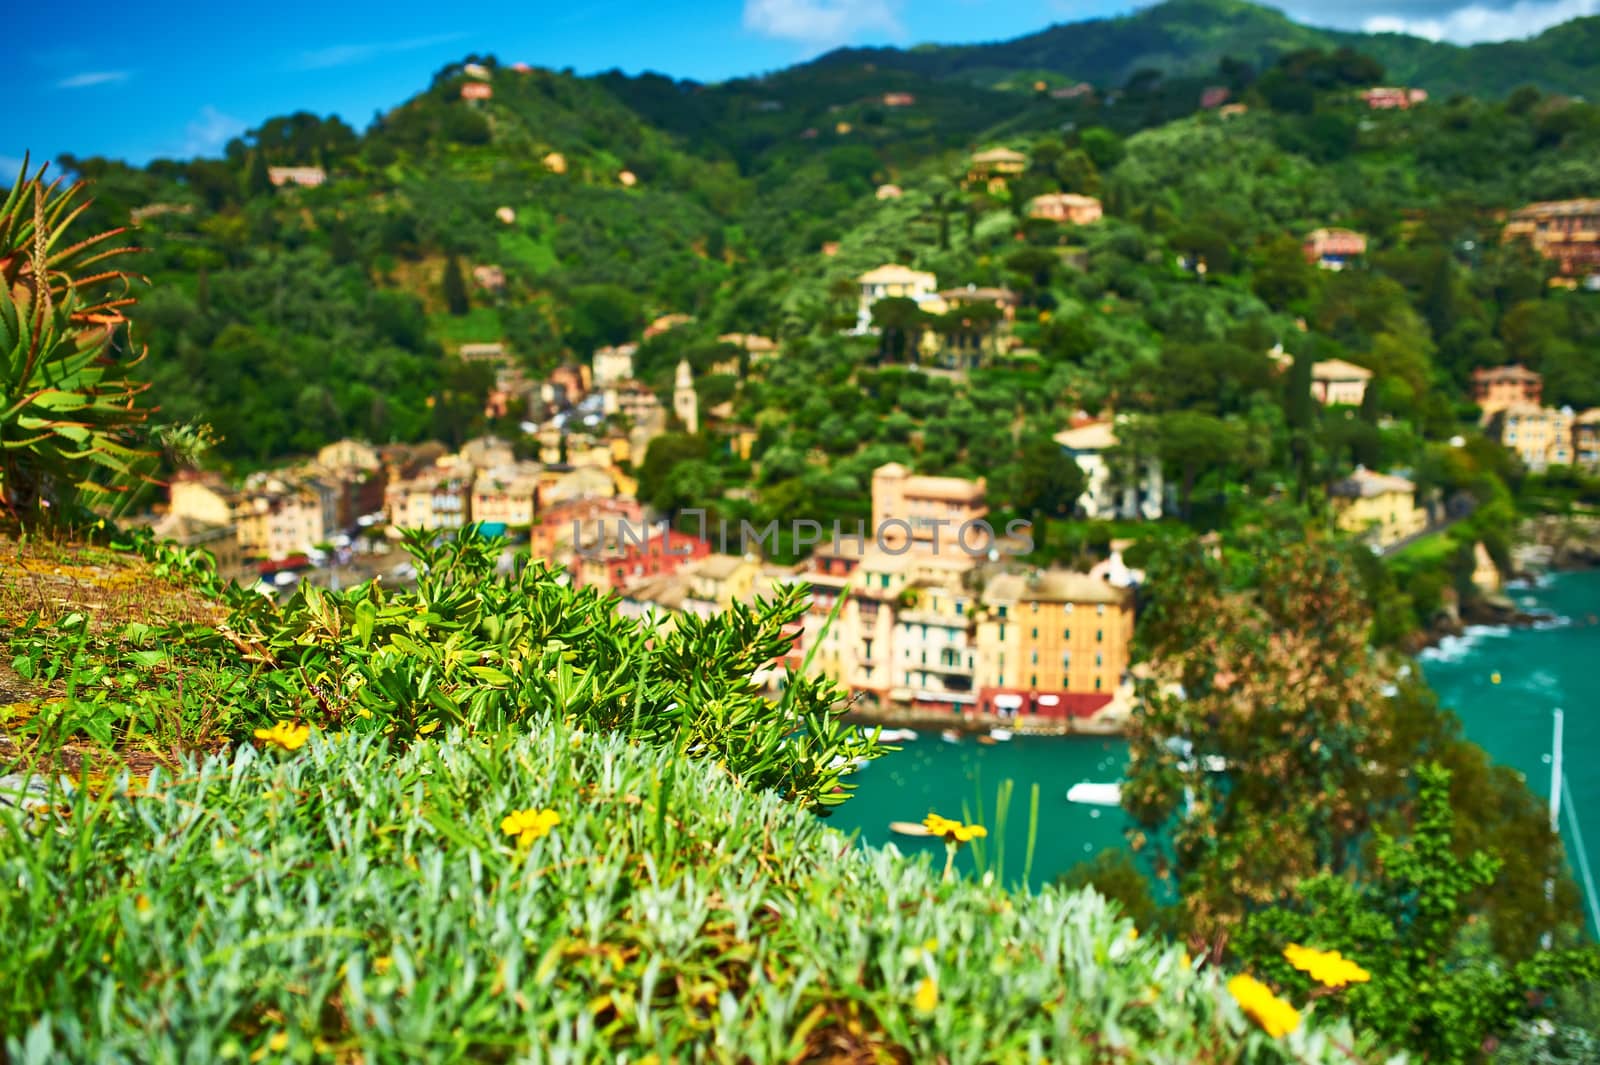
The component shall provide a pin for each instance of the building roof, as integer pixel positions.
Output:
(1335, 233)
(1096, 436)
(1558, 209)
(1515, 372)
(1053, 586)
(1365, 484)
(1068, 199)
(1589, 417)
(718, 567)
(1339, 370)
(667, 591)
(894, 273)
(999, 155)
(975, 294)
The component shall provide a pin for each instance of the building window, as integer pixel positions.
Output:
(1036, 658)
(1099, 635)
(1002, 610)
(1099, 659)
(1033, 681)
(961, 609)
(1036, 633)
(1069, 608)
(1100, 611)
(1002, 633)
(1066, 634)
(1097, 684)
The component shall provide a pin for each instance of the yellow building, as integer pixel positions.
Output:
(719, 581)
(996, 163)
(1541, 436)
(1378, 506)
(508, 495)
(1053, 643)
(893, 281)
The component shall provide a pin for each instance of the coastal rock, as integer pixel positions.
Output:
(1559, 542)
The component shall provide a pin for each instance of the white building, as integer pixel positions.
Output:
(1130, 489)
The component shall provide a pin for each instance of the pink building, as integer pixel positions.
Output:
(1066, 207)
(477, 90)
(1387, 98)
(1332, 249)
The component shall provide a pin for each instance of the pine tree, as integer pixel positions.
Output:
(257, 182)
(455, 287)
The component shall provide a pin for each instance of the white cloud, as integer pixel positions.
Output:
(92, 77)
(208, 132)
(343, 55)
(821, 23)
(1476, 22)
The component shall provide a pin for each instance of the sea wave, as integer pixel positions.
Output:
(1455, 648)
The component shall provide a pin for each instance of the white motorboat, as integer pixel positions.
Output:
(1088, 794)
(1001, 734)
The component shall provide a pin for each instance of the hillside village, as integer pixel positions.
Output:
(925, 629)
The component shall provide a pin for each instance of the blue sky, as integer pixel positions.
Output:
(177, 79)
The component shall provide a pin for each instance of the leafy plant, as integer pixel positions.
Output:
(67, 400)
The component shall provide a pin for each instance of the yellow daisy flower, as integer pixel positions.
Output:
(1275, 1016)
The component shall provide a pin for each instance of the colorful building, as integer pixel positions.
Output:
(1334, 249)
(1066, 207)
(1566, 232)
(1541, 436)
(931, 509)
(1052, 644)
(1380, 507)
(1499, 387)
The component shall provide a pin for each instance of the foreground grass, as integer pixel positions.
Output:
(344, 902)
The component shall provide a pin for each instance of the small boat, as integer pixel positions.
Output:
(896, 735)
(909, 828)
(1001, 734)
(1087, 794)
(950, 735)
(986, 740)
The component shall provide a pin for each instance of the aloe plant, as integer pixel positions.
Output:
(69, 408)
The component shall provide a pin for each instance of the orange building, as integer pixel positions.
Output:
(1332, 249)
(1566, 231)
(1052, 643)
(1066, 207)
(1500, 387)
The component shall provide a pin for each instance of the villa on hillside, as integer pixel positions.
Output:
(476, 90)
(1333, 249)
(1125, 488)
(1387, 98)
(1336, 383)
(1380, 507)
(1541, 436)
(1066, 207)
(1565, 231)
(890, 192)
(996, 164)
(892, 281)
(307, 177)
(898, 99)
(974, 325)
(1498, 387)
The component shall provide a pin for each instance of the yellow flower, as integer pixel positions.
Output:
(279, 1041)
(423, 730)
(927, 998)
(380, 965)
(1329, 968)
(289, 737)
(530, 824)
(953, 831)
(1275, 1016)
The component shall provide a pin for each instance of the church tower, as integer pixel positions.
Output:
(684, 401)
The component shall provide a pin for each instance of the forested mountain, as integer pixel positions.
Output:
(1182, 38)
(287, 316)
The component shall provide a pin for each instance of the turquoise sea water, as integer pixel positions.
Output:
(1541, 668)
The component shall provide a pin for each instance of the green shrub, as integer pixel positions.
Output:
(343, 902)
